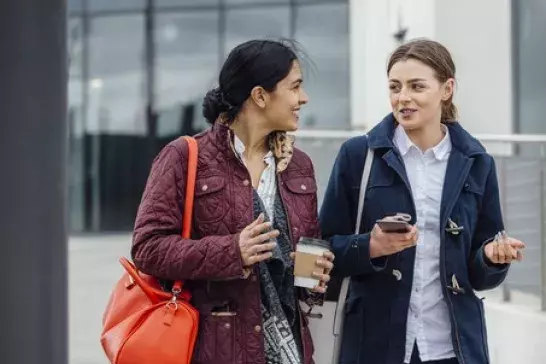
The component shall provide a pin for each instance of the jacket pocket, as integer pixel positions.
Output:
(216, 340)
(485, 344)
(209, 204)
(302, 195)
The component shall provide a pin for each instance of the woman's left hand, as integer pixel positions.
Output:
(504, 250)
(327, 264)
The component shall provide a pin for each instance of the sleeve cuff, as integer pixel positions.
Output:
(362, 243)
(486, 264)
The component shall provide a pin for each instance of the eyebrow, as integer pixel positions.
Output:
(412, 80)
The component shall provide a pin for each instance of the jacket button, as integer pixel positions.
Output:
(303, 187)
(246, 182)
(205, 187)
(258, 328)
(227, 325)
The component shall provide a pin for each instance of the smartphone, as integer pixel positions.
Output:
(393, 226)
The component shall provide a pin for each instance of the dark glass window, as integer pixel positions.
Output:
(530, 61)
(253, 23)
(187, 66)
(323, 31)
(160, 3)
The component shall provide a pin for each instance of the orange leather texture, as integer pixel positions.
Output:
(142, 323)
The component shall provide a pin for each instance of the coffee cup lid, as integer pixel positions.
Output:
(315, 242)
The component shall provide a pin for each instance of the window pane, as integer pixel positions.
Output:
(228, 2)
(116, 75)
(323, 32)
(315, 1)
(104, 5)
(119, 158)
(187, 64)
(186, 2)
(531, 59)
(261, 22)
(74, 5)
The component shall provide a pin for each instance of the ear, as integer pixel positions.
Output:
(448, 89)
(260, 96)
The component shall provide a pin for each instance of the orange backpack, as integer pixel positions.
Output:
(143, 324)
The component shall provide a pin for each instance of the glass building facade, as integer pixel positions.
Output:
(529, 58)
(138, 73)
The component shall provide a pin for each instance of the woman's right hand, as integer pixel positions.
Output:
(383, 243)
(254, 241)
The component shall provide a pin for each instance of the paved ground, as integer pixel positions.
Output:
(94, 270)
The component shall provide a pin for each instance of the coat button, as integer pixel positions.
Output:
(303, 187)
(205, 187)
(227, 325)
(397, 274)
(258, 328)
(246, 182)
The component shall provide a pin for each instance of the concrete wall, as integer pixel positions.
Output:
(516, 334)
(477, 33)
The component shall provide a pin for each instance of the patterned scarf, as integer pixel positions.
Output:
(279, 311)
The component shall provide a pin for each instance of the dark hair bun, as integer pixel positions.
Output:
(213, 105)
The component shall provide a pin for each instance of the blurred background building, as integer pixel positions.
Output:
(139, 70)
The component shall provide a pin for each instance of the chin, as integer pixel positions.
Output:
(410, 124)
(290, 127)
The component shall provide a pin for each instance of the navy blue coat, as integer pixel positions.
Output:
(378, 301)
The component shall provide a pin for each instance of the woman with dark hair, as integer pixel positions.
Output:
(255, 198)
(412, 294)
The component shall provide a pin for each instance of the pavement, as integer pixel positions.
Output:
(94, 269)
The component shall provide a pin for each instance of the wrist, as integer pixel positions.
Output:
(374, 249)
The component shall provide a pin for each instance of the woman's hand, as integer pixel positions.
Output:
(326, 264)
(383, 243)
(504, 250)
(254, 242)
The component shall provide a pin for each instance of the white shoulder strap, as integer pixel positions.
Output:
(345, 283)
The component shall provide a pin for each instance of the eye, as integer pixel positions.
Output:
(418, 86)
(394, 87)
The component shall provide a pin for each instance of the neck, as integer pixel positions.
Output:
(426, 137)
(253, 136)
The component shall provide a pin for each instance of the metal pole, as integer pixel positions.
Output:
(33, 145)
(542, 239)
(506, 294)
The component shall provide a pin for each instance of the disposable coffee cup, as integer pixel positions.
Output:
(308, 251)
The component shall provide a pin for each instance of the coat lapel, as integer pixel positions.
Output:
(393, 161)
(457, 171)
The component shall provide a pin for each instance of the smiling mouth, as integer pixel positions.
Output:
(407, 111)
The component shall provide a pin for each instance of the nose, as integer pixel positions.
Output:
(304, 98)
(403, 96)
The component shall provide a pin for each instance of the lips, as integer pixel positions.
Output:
(407, 111)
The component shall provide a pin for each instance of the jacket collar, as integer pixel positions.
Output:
(381, 136)
(440, 151)
(281, 144)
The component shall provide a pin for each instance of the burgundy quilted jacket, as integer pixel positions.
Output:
(211, 262)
